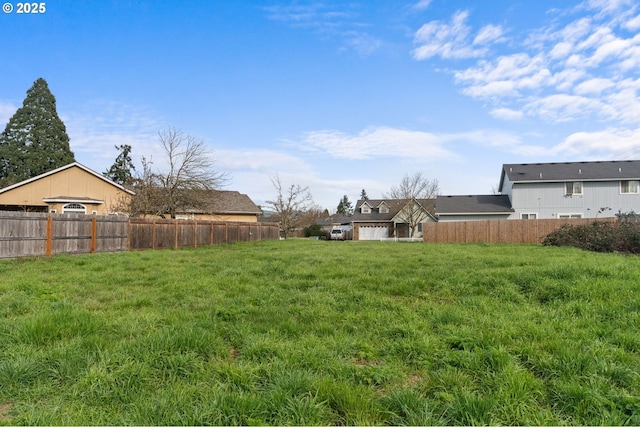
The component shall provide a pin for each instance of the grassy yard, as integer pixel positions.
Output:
(316, 332)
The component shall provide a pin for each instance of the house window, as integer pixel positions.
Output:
(528, 216)
(629, 187)
(569, 216)
(383, 208)
(74, 208)
(573, 188)
(365, 209)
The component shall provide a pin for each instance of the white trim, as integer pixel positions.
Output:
(474, 213)
(66, 209)
(533, 181)
(573, 188)
(529, 213)
(72, 200)
(630, 192)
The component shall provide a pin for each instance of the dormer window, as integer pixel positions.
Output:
(383, 208)
(573, 188)
(365, 209)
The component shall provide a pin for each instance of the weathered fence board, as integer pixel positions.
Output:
(31, 234)
(497, 231)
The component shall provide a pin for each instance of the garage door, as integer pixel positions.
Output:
(373, 232)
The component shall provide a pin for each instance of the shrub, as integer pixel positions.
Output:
(314, 230)
(623, 236)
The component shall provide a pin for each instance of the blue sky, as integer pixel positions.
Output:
(339, 96)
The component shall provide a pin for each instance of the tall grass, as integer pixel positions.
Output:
(314, 332)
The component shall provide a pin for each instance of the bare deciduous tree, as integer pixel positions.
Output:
(291, 205)
(189, 172)
(414, 189)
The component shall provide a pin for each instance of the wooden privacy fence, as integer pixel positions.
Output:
(498, 231)
(30, 234)
(158, 234)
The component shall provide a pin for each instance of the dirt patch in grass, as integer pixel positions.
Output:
(4, 412)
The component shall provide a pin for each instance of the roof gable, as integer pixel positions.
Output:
(61, 169)
(394, 206)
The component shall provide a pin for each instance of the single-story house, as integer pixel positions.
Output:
(220, 205)
(73, 188)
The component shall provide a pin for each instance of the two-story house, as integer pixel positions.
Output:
(571, 190)
(391, 218)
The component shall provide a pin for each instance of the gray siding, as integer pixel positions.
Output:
(548, 199)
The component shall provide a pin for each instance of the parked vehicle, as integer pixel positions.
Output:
(338, 234)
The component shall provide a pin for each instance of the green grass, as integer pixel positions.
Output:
(322, 333)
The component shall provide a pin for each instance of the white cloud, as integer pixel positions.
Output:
(633, 24)
(259, 160)
(506, 76)
(338, 22)
(507, 114)
(95, 128)
(609, 143)
(593, 86)
(421, 5)
(562, 107)
(375, 142)
(561, 50)
(571, 68)
(488, 34)
(361, 42)
(447, 40)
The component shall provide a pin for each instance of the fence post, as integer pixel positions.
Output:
(49, 243)
(175, 234)
(94, 232)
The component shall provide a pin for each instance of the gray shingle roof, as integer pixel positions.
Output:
(334, 219)
(394, 205)
(487, 204)
(578, 171)
(227, 202)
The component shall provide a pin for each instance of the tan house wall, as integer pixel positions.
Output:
(221, 217)
(73, 183)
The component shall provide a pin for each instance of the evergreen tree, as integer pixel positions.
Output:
(363, 195)
(344, 207)
(35, 140)
(121, 170)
